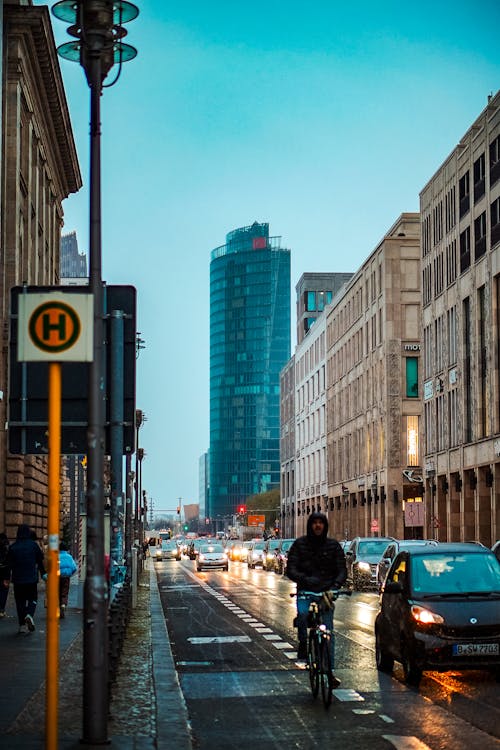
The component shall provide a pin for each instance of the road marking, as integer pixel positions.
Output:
(290, 654)
(263, 630)
(405, 743)
(282, 644)
(272, 637)
(220, 639)
(364, 605)
(257, 625)
(363, 711)
(387, 719)
(346, 694)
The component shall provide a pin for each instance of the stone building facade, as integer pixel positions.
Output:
(373, 392)
(287, 448)
(39, 169)
(460, 214)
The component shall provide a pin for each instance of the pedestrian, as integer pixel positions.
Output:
(25, 562)
(4, 573)
(317, 564)
(67, 566)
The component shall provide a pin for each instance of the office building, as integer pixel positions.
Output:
(460, 214)
(314, 292)
(249, 345)
(73, 263)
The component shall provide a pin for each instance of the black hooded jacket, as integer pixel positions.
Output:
(25, 558)
(316, 563)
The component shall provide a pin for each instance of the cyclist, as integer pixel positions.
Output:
(316, 563)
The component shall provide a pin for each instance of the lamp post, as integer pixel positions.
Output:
(97, 28)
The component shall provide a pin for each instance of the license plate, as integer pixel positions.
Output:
(473, 649)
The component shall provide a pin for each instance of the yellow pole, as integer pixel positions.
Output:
(52, 654)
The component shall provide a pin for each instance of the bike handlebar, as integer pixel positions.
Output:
(335, 592)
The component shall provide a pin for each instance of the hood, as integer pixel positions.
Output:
(311, 518)
(23, 531)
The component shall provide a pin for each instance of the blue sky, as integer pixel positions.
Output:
(324, 120)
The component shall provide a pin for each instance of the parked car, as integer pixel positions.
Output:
(362, 557)
(212, 556)
(168, 550)
(270, 548)
(255, 554)
(390, 553)
(440, 610)
(281, 555)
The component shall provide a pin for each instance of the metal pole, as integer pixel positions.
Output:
(95, 631)
(52, 651)
(128, 513)
(116, 435)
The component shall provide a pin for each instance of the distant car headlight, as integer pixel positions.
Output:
(425, 616)
(364, 566)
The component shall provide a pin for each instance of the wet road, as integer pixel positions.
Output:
(235, 651)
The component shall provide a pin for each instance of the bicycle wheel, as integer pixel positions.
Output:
(326, 669)
(313, 662)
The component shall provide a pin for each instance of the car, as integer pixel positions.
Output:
(168, 550)
(270, 548)
(212, 556)
(235, 550)
(440, 610)
(281, 555)
(390, 553)
(362, 557)
(255, 554)
(345, 544)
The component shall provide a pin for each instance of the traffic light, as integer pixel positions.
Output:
(242, 509)
(186, 527)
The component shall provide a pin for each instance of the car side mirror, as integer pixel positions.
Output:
(393, 587)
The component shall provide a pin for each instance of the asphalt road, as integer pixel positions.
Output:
(234, 646)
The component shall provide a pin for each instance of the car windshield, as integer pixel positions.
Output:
(454, 573)
(274, 544)
(286, 545)
(169, 545)
(211, 548)
(259, 545)
(372, 547)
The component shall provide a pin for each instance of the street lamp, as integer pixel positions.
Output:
(97, 28)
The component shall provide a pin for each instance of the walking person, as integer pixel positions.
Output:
(4, 573)
(317, 564)
(25, 562)
(67, 566)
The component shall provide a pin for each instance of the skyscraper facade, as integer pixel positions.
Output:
(249, 344)
(73, 263)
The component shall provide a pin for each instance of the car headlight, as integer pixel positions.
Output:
(425, 616)
(201, 557)
(363, 566)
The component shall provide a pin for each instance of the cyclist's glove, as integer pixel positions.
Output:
(328, 599)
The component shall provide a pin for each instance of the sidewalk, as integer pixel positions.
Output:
(147, 708)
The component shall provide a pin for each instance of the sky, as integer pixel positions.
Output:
(325, 119)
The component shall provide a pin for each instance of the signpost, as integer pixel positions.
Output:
(54, 327)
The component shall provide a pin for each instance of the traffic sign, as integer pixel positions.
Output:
(55, 327)
(28, 380)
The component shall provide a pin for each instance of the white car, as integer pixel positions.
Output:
(168, 550)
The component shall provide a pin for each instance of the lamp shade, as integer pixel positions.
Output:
(123, 11)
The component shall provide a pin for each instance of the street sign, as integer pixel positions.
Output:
(254, 520)
(28, 381)
(55, 327)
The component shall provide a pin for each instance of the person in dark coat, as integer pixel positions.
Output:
(4, 573)
(25, 562)
(316, 563)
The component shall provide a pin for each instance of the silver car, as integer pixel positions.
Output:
(212, 556)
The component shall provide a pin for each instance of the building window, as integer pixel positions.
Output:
(465, 250)
(451, 262)
(479, 175)
(452, 336)
(494, 161)
(412, 458)
(495, 222)
(466, 317)
(450, 209)
(464, 194)
(452, 418)
(310, 301)
(480, 236)
(411, 377)
(483, 364)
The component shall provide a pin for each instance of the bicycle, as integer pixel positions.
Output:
(319, 662)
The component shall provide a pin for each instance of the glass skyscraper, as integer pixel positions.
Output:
(249, 345)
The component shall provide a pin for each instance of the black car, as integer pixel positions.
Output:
(390, 553)
(440, 610)
(281, 555)
(362, 557)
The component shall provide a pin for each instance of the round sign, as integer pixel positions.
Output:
(54, 327)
